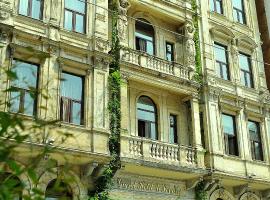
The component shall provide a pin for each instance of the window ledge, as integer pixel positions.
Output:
(75, 126)
(30, 19)
(258, 162)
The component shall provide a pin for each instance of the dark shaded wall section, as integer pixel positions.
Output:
(265, 37)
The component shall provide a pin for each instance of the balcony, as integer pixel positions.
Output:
(160, 152)
(146, 61)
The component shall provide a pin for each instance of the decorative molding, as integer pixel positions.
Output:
(221, 193)
(146, 184)
(5, 9)
(249, 196)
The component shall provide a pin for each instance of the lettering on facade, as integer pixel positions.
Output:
(147, 185)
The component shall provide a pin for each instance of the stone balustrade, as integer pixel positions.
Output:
(147, 61)
(161, 152)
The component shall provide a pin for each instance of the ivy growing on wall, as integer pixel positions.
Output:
(200, 193)
(198, 74)
(105, 182)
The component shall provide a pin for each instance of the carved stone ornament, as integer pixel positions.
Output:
(222, 194)
(3, 36)
(189, 44)
(122, 27)
(123, 6)
(101, 45)
(234, 51)
(5, 9)
(148, 185)
(54, 10)
(249, 196)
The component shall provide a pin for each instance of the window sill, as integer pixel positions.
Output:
(70, 125)
(73, 32)
(258, 162)
(31, 19)
(217, 14)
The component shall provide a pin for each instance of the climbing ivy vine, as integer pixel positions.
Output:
(196, 38)
(105, 182)
(200, 193)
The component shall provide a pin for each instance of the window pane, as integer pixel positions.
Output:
(169, 52)
(228, 124)
(76, 113)
(23, 7)
(36, 9)
(26, 75)
(150, 48)
(75, 5)
(71, 86)
(219, 7)
(144, 36)
(258, 151)
(68, 20)
(146, 104)
(153, 131)
(238, 4)
(220, 53)
(225, 72)
(212, 6)
(244, 62)
(147, 116)
(79, 23)
(253, 128)
(233, 147)
(235, 15)
(248, 80)
(14, 101)
(29, 104)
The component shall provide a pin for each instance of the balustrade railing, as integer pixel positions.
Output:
(155, 63)
(157, 151)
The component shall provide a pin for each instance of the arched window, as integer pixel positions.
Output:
(12, 185)
(145, 36)
(58, 190)
(147, 118)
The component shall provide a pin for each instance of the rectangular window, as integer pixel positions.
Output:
(245, 70)
(173, 129)
(72, 99)
(23, 93)
(31, 8)
(255, 140)
(230, 138)
(216, 6)
(75, 12)
(169, 51)
(239, 11)
(221, 57)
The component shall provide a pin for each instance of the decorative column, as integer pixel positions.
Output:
(196, 130)
(4, 64)
(195, 117)
(124, 105)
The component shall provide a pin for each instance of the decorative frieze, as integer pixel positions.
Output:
(146, 184)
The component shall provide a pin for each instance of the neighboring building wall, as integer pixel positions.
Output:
(263, 12)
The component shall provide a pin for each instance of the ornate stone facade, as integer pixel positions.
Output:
(157, 61)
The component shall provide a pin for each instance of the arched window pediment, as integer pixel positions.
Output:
(245, 41)
(222, 32)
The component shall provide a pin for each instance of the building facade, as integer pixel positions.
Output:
(175, 130)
